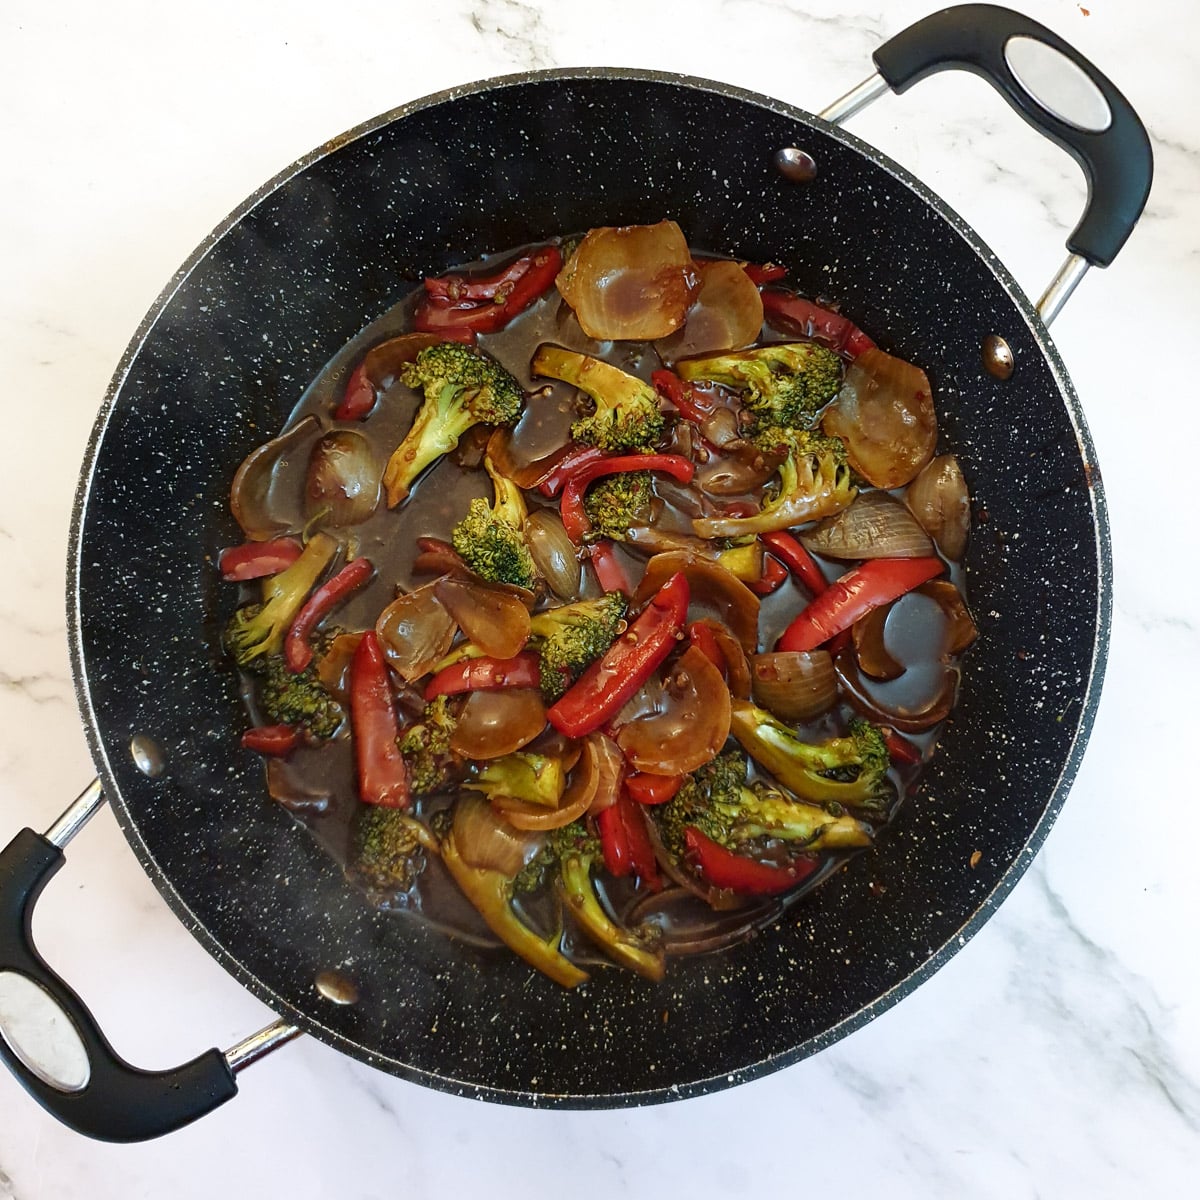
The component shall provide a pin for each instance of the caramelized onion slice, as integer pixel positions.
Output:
(875, 525)
(939, 501)
(333, 668)
(712, 586)
(884, 414)
(343, 482)
(527, 474)
(869, 646)
(904, 717)
(632, 282)
(416, 632)
(553, 553)
(737, 666)
(727, 313)
(257, 497)
(492, 724)
(692, 725)
(495, 621)
(962, 630)
(486, 841)
(794, 685)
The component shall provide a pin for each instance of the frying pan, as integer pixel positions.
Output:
(315, 256)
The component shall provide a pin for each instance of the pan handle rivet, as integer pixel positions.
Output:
(147, 756)
(998, 357)
(336, 987)
(795, 164)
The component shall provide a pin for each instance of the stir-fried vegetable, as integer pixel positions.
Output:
(629, 667)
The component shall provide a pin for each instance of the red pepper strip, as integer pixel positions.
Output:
(276, 740)
(618, 858)
(681, 395)
(652, 789)
(253, 560)
(854, 595)
(436, 315)
(811, 320)
(601, 691)
(764, 273)
(723, 869)
(900, 748)
(553, 483)
(609, 572)
(485, 674)
(774, 573)
(625, 842)
(457, 288)
(297, 652)
(382, 773)
(575, 520)
(797, 559)
(705, 641)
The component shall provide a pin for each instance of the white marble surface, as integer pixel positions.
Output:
(1058, 1055)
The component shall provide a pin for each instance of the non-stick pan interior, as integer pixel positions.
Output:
(314, 258)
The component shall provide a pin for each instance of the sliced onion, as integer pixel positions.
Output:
(716, 898)
(721, 428)
(712, 586)
(875, 525)
(258, 496)
(286, 787)
(526, 474)
(630, 282)
(333, 669)
(884, 414)
(870, 648)
(689, 924)
(416, 631)
(610, 771)
(737, 666)
(342, 487)
(492, 724)
(908, 719)
(938, 499)
(437, 557)
(692, 726)
(495, 621)
(794, 685)
(553, 553)
(727, 313)
(961, 631)
(743, 468)
(486, 841)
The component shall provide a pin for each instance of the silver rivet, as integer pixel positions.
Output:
(797, 165)
(147, 756)
(337, 988)
(997, 356)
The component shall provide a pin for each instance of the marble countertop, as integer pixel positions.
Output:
(1057, 1055)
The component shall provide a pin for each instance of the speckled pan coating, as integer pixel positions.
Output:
(303, 266)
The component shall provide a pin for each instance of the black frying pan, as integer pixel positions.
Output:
(301, 268)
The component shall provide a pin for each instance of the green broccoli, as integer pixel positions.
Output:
(387, 849)
(571, 637)
(627, 416)
(258, 629)
(785, 383)
(814, 481)
(300, 699)
(617, 503)
(532, 778)
(850, 771)
(462, 388)
(426, 748)
(717, 801)
(490, 540)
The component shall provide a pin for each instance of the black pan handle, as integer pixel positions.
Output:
(118, 1103)
(1111, 146)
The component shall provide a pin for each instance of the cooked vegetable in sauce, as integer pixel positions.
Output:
(599, 600)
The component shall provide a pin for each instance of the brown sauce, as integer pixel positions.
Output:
(323, 775)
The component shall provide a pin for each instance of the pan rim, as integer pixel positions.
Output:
(956, 940)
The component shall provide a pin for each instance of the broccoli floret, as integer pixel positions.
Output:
(785, 383)
(258, 629)
(578, 852)
(387, 849)
(462, 388)
(814, 481)
(532, 778)
(571, 637)
(627, 416)
(426, 748)
(618, 503)
(490, 540)
(717, 801)
(849, 771)
(296, 699)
